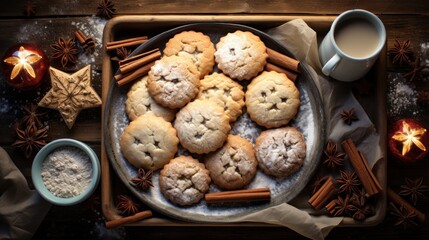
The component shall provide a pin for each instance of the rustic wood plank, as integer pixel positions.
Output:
(89, 7)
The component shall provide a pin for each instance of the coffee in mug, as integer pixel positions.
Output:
(352, 45)
(357, 38)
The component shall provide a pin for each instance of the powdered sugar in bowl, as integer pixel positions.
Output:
(65, 171)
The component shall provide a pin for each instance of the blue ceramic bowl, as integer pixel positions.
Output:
(36, 171)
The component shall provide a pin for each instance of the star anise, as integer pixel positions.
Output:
(348, 182)
(404, 217)
(317, 183)
(29, 8)
(417, 70)
(31, 139)
(126, 205)
(343, 206)
(401, 52)
(106, 9)
(349, 116)
(121, 54)
(334, 157)
(414, 188)
(32, 115)
(143, 180)
(66, 51)
(359, 198)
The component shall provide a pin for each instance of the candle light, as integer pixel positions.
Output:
(408, 140)
(24, 66)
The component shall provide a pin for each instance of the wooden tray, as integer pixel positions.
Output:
(150, 25)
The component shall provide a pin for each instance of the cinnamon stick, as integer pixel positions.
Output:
(246, 195)
(126, 42)
(282, 60)
(124, 79)
(397, 200)
(325, 192)
(129, 60)
(139, 62)
(360, 164)
(85, 41)
(271, 67)
(129, 219)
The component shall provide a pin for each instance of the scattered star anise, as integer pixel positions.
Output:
(66, 51)
(106, 9)
(32, 115)
(414, 188)
(334, 157)
(144, 179)
(31, 138)
(348, 182)
(126, 205)
(121, 54)
(29, 8)
(349, 116)
(401, 52)
(359, 198)
(404, 217)
(343, 206)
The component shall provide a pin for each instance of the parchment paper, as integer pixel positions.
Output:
(298, 215)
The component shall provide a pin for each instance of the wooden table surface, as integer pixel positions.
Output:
(58, 18)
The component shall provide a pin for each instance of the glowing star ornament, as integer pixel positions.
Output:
(24, 66)
(70, 93)
(408, 140)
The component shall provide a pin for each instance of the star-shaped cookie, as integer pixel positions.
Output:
(70, 93)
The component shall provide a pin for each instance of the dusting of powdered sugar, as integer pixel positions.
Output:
(246, 128)
(402, 96)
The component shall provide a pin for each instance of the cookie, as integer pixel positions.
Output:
(202, 126)
(241, 55)
(173, 81)
(234, 165)
(184, 181)
(139, 102)
(272, 100)
(222, 90)
(281, 151)
(149, 142)
(193, 45)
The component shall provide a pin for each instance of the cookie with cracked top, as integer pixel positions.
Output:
(241, 55)
(139, 102)
(173, 81)
(272, 99)
(281, 151)
(184, 181)
(194, 45)
(149, 142)
(202, 126)
(234, 165)
(221, 89)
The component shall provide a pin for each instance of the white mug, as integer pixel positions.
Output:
(352, 45)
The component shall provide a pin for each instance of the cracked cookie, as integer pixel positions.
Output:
(149, 142)
(139, 102)
(234, 165)
(184, 180)
(202, 126)
(222, 90)
(272, 100)
(193, 45)
(281, 151)
(241, 55)
(173, 81)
